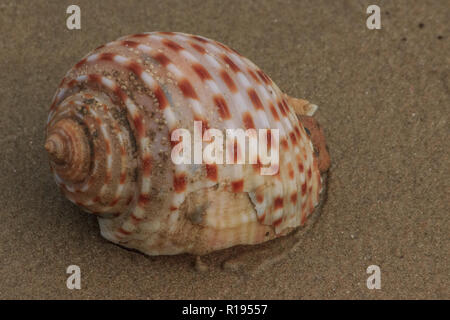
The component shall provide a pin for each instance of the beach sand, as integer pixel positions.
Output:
(383, 99)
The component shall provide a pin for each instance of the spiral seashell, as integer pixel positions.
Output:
(109, 143)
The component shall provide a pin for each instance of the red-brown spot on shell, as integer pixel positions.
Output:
(146, 165)
(304, 188)
(248, 120)
(262, 217)
(222, 107)
(107, 56)
(173, 208)
(80, 63)
(119, 92)
(284, 144)
(107, 147)
(278, 203)
(161, 97)
(269, 139)
(277, 222)
(138, 124)
(139, 35)
(131, 44)
(294, 197)
(226, 48)
(135, 68)
(95, 78)
(255, 99)
(179, 183)
(282, 109)
(253, 75)
(162, 59)
(187, 89)
(235, 150)
(285, 105)
(72, 83)
(263, 77)
(199, 48)
(211, 172)
(143, 199)
(291, 171)
(300, 167)
(297, 131)
(98, 121)
(259, 198)
(172, 45)
(274, 112)
(199, 39)
(293, 138)
(309, 173)
(237, 186)
(228, 81)
(173, 143)
(201, 72)
(123, 177)
(230, 63)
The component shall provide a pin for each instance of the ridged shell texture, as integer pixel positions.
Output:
(127, 97)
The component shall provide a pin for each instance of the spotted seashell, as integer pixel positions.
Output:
(109, 139)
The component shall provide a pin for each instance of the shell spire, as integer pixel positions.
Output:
(110, 140)
(68, 149)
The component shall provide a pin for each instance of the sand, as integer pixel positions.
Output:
(384, 103)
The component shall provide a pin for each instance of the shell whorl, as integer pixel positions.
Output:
(69, 150)
(97, 173)
(108, 137)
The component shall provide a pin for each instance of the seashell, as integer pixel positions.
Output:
(109, 131)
